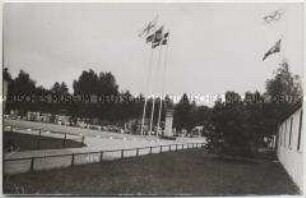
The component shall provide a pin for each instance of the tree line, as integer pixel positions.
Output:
(236, 124)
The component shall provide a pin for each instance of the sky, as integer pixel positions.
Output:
(212, 47)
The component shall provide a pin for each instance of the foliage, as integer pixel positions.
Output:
(182, 114)
(241, 125)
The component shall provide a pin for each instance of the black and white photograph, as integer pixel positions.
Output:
(152, 98)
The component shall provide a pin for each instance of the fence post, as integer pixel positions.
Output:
(170, 147)
(150, 150)
(122, 153)
(161, 149)
(72, 159)
(38, 141)
(83, 139)
(101, 156)
(175, 147)
(137, 152)
(64, 141)
(32, 164)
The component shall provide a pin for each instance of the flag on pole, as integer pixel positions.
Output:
(158, 37)
(150, 38)
(165, 39)
(275, 16)
(148, 28)
(273, 50)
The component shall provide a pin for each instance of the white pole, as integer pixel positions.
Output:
(161, 100)
(152, 116)
(158, 66)
(159, 115)
(163, 88)
(148, 88)
(143, 117)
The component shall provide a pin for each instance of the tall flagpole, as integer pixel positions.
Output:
(153, 105)
(152, 116)
(148, 88)
(160, 103)
(143, 116)
(163, 86)
(159, 115)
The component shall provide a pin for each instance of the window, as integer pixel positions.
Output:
(284, 133)
(300, 131)
(280, 135)
(290, 132)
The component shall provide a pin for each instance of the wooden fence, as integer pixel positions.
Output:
(16, 165)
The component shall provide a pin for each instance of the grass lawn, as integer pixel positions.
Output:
(183, 172)
(25, 142)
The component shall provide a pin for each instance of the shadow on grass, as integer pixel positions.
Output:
(26, 142)
(190, 172)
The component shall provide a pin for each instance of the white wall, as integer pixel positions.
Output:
(290, 156)
(168, 125)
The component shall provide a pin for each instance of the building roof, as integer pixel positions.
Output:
(291, 111)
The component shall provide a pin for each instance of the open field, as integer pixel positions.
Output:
(189, 172)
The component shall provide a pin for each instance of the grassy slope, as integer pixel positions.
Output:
(184, 172)
(27, 142)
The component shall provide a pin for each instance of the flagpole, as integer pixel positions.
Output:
(148, 88)
(153, 105)
(148, 28)
(163, 86)
(143, 116)
(152, 116)
(161, 98)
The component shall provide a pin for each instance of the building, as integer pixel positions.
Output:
(290, 145)
(168, 132)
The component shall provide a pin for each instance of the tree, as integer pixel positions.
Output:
(182, 114)
(22, 84)
(107, 84)
(168, 102)
(229, 120)
(283, 91)
(6, 74)
(232, 98)
(59, 88)
(56, 87)
(23, 89)
(87, 83)
(284, 87)
(104, 85)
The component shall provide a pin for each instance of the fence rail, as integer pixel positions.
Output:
(16, 165)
